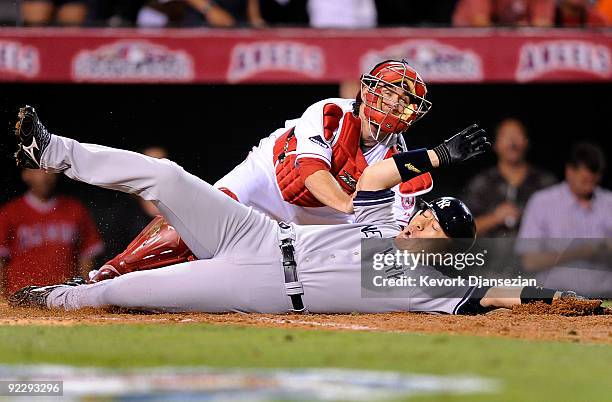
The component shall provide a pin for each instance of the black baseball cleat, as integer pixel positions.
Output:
(32, 138)
(36, 296)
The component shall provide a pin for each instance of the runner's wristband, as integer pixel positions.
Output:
(411, 164)
(533, 294)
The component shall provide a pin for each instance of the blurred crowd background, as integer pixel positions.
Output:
(546, 176)
(314, 13)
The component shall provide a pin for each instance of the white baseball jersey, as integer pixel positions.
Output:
(254, 180)
(240, 266)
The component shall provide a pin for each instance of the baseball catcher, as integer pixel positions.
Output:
(306, 172)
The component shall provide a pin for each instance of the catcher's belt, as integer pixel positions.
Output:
(293, 286)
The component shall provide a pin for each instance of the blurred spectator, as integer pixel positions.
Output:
(342, 13)
(575, 209)
(604, 7)
(284, 12)
(217, 13)
(54, 12)
(9, 13)
(45, 238)
(578, 14)
(411, 13)
(115, 13)
(498, 195)
(484, 13)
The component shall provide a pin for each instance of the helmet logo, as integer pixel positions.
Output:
(443, 203)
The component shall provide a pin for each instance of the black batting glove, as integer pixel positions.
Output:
(470, 142)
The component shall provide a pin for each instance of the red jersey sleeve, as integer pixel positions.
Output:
(308, 166)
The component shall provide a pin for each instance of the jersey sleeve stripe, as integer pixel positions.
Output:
(373, 202)
(313, 155)
(373, 195)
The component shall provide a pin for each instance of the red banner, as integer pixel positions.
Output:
(301, 55)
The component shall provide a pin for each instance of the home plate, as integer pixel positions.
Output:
(221, 385)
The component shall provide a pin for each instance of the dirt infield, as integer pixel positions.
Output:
(500, 323)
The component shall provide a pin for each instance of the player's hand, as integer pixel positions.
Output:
(470, 142)
(349, 205)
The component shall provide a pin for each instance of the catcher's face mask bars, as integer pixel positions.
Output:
(405, 107)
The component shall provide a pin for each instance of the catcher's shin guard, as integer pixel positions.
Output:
(158, 245)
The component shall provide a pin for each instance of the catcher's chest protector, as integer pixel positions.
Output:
(348, 162)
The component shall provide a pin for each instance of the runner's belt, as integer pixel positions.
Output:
(293, 286)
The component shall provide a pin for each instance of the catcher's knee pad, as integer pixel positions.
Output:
(158, 245)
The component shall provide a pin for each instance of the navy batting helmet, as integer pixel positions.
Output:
(454, 217)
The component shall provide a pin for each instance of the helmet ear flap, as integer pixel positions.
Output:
(420, 205)
(456, 220)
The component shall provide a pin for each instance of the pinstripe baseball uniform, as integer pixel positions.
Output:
(240, 266)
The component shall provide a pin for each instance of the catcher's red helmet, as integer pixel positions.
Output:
(385, 79)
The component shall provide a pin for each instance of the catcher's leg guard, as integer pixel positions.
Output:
(158, 245)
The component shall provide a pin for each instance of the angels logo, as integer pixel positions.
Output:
(408, 204)
(19, 59)
(537, 59)
(435, 61)
(253, 58)
(129, 61)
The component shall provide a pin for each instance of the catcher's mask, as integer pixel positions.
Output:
(454, 217)
(395, 86)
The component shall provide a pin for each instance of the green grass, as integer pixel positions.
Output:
(528, 370)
